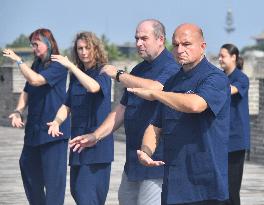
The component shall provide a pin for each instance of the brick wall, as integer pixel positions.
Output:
(257, 128)
(8, 99)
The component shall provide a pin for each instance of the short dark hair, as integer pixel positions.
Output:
(158, 28)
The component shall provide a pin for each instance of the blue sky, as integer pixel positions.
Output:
(118, 18)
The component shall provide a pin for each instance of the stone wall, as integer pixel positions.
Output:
(8, 99)
(257, 128)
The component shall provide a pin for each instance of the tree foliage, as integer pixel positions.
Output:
(1, 57)
(112, 49)
(20, 42)
(168, 45)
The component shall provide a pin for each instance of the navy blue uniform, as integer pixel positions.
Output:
(239, 135)
(43, 161)
(239, 114)
(90, 169)
(196, 144)
(139, 112)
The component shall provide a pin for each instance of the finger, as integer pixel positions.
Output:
(21, 124)
(102, 71)
(13, 123)
(49, 131)
(58, 134)
(72, 142)
(156, 163)
(76, 139)
(71, 145)
(81, 149)
(160, 163)
(77, 146)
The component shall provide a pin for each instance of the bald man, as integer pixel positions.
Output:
(192, 117)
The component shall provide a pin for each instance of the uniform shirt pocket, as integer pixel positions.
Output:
(78, 95)
(200, 168)
(170, 120)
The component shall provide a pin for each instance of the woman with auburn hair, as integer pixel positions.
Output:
(89, 102)
(43, 161)
(239, 136)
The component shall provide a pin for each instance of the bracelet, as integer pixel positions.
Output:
(19, 62)
(146, 150)
(18, 112)
(118, 73)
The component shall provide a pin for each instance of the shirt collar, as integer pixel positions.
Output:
(195, 69)
(158, 60)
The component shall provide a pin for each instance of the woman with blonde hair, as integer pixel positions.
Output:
(89, 102)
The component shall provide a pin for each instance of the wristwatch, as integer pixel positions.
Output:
(19, 62)
(118, 73)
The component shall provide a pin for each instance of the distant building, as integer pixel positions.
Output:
(259, 39)
(127, 50)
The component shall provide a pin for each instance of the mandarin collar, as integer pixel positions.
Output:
(195, 69)
(159, 59)
(233, 73)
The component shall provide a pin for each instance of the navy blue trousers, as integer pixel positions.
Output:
(235, 173)
(210, 202)
(43, 170)
(90, 183)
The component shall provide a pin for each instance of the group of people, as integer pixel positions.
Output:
(186, 121)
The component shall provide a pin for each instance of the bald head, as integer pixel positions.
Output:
(189, 45)
(191, 28)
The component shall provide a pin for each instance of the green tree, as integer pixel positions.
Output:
(20, 42)
(168, 45)
(1, 57)
(112, 50)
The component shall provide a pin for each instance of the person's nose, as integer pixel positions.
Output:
(84, 51)
(180, 49)
(139, 43)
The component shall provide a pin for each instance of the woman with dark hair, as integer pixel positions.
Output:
(239, 136)
(89, 102)
(43, 161)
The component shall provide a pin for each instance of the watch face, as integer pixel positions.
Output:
(119, 72)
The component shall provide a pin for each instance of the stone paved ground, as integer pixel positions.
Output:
(12, 193)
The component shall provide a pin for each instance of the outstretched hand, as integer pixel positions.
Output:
(146, 94)
(16, 120)
(80, 142)
(11, 54)
(54, 129)
(147, 161)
